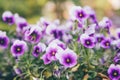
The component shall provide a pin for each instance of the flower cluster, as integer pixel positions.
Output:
(81, 41)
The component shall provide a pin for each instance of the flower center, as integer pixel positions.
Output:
(18, 49)
(53, 53)
(33, 36)
(67, 60)
(107, 44)
(8, 20)
(2, 41)
(80, 15)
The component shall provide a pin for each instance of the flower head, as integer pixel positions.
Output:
(52, 50)
(39, 48)
(20, 22)
(32, 33)
(18, 48)
(46, 59)
(4, 40)
(67, 57)
(8, 17)
(114, 72)
(87, 41)
(78, 13)
(106, 43)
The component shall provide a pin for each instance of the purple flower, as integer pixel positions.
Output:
(20, 22)
(46, 59)
(58, 43)
(57, 32)
(105, 24)
(114, 72)
(99, 37)
(91, 14)
(18, 48)
(32, 33)
(106, 43)
(77, 13)
(8, 17)
(87, 41)
(67, 57)
(117, 58)
(39, 48)
(4, 40)
(52, 50)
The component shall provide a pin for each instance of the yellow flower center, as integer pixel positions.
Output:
(18, 49)
(80, 15)
(68, 60)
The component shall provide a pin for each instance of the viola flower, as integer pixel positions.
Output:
(58, 43)
(77, 13)
(46, 59)
(67, 57)
(87, 41)
(20, 22)
(8, 17)
(105, 24)
(114, 72)
(57, 32)
(39, 48)
(32, 33)
(117, 59)
(52, 50)
(91, 14)
(99, 37)
(106, 43)
(4, 40)
(18, 48)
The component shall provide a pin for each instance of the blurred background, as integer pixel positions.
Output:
(32, 10)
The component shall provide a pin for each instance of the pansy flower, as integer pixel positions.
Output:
(106, 43)
(114, 72)
(67, 58)
(39, 48)
(99, 37)
(78, 13)
(4, 40)
(33, 33)
(20, 22)
(52, 50)
(87, 41)
(46, 59)
(91, 14)
(8, 17)
(58, 43)
(18, 48)
(57, 32)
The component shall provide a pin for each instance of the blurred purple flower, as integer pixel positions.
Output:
(117, 59)
(39, 48)
(46, 59)
(106, 43)
(32, 33)
(114, 72)
(8, 17)
(18, 48)
(4, 40)
(99, 37)
(78, 13)
(20, 22)
(52, 50)
(87, 41)
(67, 57)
